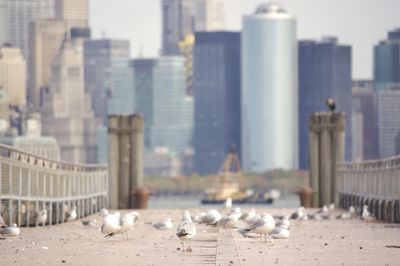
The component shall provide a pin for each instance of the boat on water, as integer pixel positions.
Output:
(232, 185)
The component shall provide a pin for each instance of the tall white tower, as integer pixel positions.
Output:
(269, 90)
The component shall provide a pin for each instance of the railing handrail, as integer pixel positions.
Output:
(59, 164)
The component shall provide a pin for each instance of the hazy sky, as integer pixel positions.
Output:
(360, 23)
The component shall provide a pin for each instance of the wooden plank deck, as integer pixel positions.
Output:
(327, 242)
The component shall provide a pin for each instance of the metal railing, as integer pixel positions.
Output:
(31, 183)
(375, 183)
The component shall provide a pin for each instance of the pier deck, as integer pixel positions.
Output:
(325, 242)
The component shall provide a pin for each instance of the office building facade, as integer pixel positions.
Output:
(167, 110)
(387, 61)
(269, 90)
(99, 56)
(324, 72)
(217, 91)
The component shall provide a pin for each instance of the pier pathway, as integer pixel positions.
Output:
(324, 242)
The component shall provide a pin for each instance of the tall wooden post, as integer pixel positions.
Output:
(125, 157)
(137, 143)
(113, 161)
(327, 140)
(314, 158)
(124, 162)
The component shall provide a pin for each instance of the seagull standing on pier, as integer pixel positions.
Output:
(297, 215)
(281, 232)
(249, 216)
(211, 218)
(110, 224)
(164, 225)
(41, 217)
(229, 222)
(186, 230)
(71, 216)
(12, 230)
(366, 215)
(262, 225)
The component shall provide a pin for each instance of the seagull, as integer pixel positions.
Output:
(212, 217)
(196, 218)
(366, 215)
(228, 203)
(347, 215)
(12, 230)
(247, 233)
(92, 222)
(165, 225)
(283, 222)
(126, 223)
(263, 225)
(136, 215)
(111, 224)
(297, 215)
(71, 216)
(41, 217)
(331, 104)
(249, 216)
(186, 229)
(229, 222)
(281, 232)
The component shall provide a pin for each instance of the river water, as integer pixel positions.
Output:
(289, 201)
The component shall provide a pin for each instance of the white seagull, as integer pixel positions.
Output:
(281, 232)
(212, 217)
(249, 216)
(164, 225)
(71, 216)
(186, 230)
(41, 217)
(12, 230)
(366, 215)
(262, 225)
(126, 222)
(111, 224)
(229, 222)
(297, 215)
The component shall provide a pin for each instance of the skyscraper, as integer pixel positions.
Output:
(324, 72)
(74, 12)
(387, 61)
(66, 112)
(364, 131)
(183, 17)
(167, 110)
(217, 98)
(209, 15)
(269, 90)
(99, 56)
(388, 102)
(122, 96)
(46, 37)
(13, 75)
(176, 24)
(15, 16)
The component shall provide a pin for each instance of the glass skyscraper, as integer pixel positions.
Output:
(269, 90)
(216, 86)
(387, 61)
(160, 95)
(324, 72)
(99, 56)
(122, 94)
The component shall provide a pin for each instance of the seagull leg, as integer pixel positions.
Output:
(183, 246)
(189, 249)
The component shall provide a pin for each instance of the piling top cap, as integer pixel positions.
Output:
(305, 190)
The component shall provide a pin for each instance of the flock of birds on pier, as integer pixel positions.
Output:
(250, 223)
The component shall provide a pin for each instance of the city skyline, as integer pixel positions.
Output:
(315, 18)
